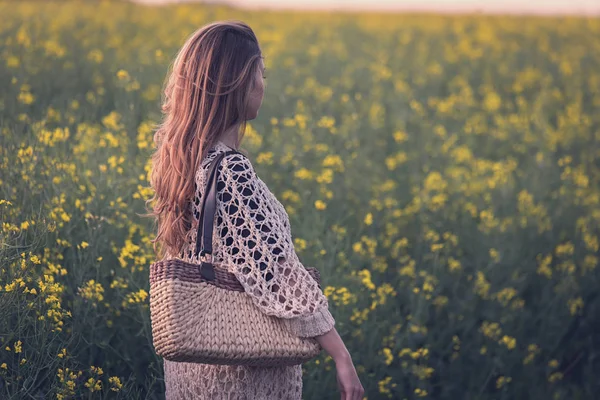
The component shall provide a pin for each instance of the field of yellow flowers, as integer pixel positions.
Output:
(442, 172)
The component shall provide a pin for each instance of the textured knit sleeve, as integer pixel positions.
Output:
(257, 240)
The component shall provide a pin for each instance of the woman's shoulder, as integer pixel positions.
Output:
(234, 166)
(236, 163)
(233, 159)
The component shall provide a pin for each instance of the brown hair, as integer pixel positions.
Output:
(205, 94)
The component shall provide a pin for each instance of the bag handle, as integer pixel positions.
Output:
(205, 224)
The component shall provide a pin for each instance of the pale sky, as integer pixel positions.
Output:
(586, 7)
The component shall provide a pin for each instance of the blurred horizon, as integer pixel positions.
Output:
(536, 7)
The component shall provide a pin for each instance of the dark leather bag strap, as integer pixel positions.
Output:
(209, 206)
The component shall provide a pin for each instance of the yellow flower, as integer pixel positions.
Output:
(400, 136)
(575, 305)
(135, 298)
(389, 357)
(544, 265)
(116, 382)
(453, 265)
(422, 372)
(565, 249)
(502, 380)
(326, 176)
(17, 346)
(122, 75)
(300, 244)
(91, 291)
(26, 98)
(384, 385)
(365, 274)
(556, 376)
(333, 161)
(320, 205)
(265, 158)
(491, 329)
(494, 255)
(492, 101)
(303, 174)
(509, 342)
(482, 286)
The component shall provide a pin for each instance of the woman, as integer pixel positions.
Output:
(215, 86)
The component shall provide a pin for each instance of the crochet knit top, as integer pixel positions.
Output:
(253, 238)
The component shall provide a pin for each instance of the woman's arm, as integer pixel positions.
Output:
(347, 379)
(334, 346)
(257, 242)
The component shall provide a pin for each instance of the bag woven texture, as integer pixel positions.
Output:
(200, 312)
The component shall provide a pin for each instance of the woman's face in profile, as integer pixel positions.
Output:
(257, 93)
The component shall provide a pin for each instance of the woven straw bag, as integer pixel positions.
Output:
(200, 312)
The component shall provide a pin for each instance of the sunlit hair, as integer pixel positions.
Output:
(205, 93)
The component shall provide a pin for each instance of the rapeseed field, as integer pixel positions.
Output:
(442, 172)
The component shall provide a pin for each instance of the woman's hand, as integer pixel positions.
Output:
(347, 379)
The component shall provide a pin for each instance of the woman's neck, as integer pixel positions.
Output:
(230, 136)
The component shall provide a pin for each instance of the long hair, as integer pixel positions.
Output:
(205, 93)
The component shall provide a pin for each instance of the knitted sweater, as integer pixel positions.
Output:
(252, 237)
